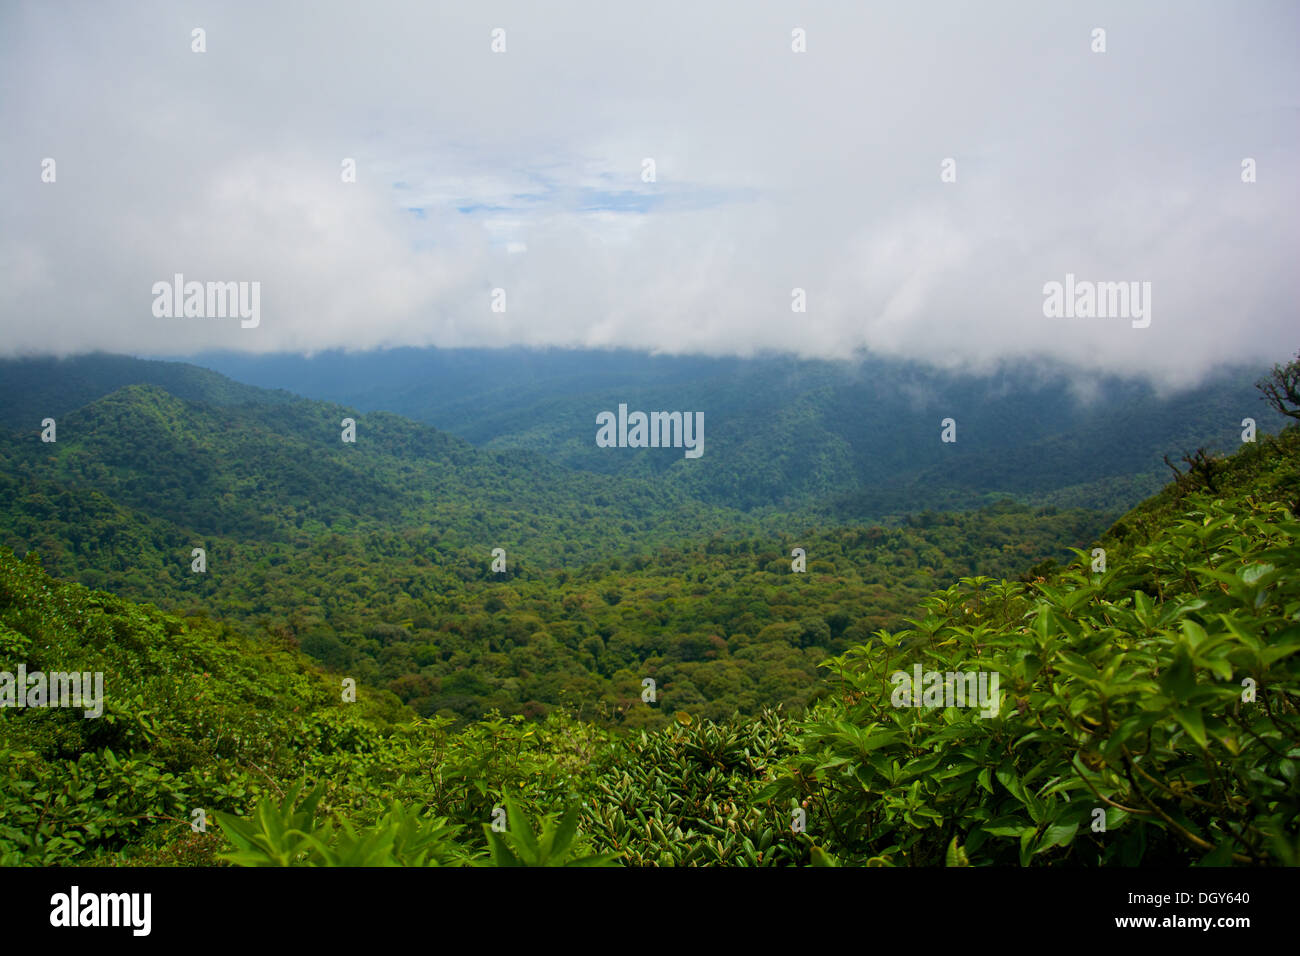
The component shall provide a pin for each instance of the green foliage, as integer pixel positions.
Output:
(819, 857)
(195, 716)
(1123, 695)
(687, 796)
(851, 440)
(518, 845)
(377, 566)
(293, 833)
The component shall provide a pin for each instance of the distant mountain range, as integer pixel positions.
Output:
(462, 579)
(185, 445)
(845, 440)
(378, 556)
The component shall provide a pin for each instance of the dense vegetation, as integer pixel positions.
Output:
(851, 441)
(1161, 695)
(844, 442)
(376, 557)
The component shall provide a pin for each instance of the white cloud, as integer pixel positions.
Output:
(775, 170)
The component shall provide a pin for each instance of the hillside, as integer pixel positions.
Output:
(851, 441)
(840, 442)
(39, 387)
(1161, 696)
(1151, 712)
(377, 557)
(250, 469)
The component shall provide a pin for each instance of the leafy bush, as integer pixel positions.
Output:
(517, 845)
(294, 833)
(687, 796)
(1127, 697)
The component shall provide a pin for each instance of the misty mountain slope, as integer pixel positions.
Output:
(375, 556)
(259, 471)
(854, 439)
(35, 388)
(1101, 457)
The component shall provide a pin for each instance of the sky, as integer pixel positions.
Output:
(524, 170)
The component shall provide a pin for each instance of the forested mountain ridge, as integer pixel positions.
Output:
(846, 441)
(38, 387)
(377, 557)
(245, 469)
(851, 440)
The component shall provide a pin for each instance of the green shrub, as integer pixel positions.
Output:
(1125, 699)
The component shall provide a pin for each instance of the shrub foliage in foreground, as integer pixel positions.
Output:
(1159, 697)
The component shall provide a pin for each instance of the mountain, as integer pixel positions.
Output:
(380, 558)
(39, 387)
(848, 440)
(377, 557)
(279, 463)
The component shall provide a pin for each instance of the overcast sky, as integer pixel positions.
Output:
(522, 170)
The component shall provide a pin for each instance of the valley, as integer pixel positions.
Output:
(494, 615)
